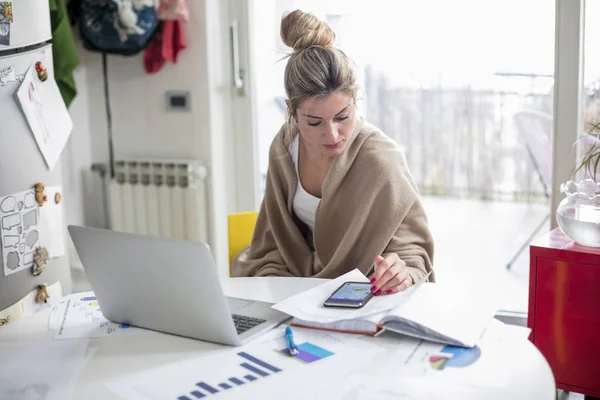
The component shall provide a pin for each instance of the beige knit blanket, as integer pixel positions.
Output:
(369, 206)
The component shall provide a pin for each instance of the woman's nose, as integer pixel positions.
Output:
(332, 133)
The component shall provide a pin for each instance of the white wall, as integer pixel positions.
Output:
(76, 158)
(142, 126)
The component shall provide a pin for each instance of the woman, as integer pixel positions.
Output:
(338, 194)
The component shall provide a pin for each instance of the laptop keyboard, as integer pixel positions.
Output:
(243, 323)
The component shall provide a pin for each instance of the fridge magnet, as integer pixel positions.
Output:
(5, 34)
(7, 74)
(40, 194)
(57, 198)
(40, 260)
(6, 12)
(41, 71)
(46, 114)
(42, 295)
(4, 321)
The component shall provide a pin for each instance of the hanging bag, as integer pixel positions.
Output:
(117, 26)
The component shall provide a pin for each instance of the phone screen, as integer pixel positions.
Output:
(351, 293)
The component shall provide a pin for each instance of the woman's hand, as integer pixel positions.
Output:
(390, 276)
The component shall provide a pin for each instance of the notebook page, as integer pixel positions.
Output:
(459, 315)
(308, 305)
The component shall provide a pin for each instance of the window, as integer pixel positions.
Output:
(466, 87)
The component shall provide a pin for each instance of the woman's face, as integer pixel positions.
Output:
(326, 123)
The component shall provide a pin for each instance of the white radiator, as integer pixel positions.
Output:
(159, 198)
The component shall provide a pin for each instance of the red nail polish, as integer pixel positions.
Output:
(373, 289)
(372, 280)
(377, 293)
(389, 291)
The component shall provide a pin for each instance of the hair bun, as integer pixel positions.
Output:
(300, 30)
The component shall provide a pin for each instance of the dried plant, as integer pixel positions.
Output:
(591, 158)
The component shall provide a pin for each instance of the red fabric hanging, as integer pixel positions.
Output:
(170, 40)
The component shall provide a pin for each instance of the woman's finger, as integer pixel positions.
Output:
(397, 280)
(405, 284)
(379, 268)
(393, 265)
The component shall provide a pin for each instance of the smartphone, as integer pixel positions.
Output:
(350, 295)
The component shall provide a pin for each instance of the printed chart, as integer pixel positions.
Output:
(470, 366)
(308, 352)
(262, 370)
(452, 356)
(256, 367)
(79, 316)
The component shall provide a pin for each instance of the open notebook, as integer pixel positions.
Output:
(430, 311)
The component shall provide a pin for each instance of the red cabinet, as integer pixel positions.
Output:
(564, 310)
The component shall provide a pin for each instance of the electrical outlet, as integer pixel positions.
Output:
(178, 100)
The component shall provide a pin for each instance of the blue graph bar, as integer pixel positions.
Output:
(183, 398)
(236, 381)
(225, 386)
(198, 394)
(252, 368)
(259, 362)
(206, 387)
(250, 378)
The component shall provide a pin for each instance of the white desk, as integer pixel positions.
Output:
(527, 372)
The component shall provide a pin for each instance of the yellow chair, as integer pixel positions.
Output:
(240, 228)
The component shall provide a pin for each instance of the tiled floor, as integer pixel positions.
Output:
(474, 240)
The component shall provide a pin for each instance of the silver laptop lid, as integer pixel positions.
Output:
(156, 283)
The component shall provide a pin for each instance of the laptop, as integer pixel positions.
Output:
(167, 285)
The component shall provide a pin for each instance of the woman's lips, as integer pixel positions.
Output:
(333, 146)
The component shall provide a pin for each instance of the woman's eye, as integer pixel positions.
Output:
(315, 123)
(342, 118)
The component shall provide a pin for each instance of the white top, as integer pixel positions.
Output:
(305, 204)
(516, 361)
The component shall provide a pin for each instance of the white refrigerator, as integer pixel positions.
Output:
(23, 41)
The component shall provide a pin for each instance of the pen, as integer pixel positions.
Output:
(290, 341)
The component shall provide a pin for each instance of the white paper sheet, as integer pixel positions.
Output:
(52, 222)
(485, 366)
(24, 226)
(361, 387)
(46, 113)
(268, 289)
(294, 379)
(78, 315)
(447, 311)
(40, 370)
(498, 331)
(28, 306)
(308, 305)
(7, 74)
(22, 230)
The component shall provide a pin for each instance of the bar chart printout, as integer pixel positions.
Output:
(256, 371)
(251, 369)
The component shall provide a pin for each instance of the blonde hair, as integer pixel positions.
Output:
(315, 67)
